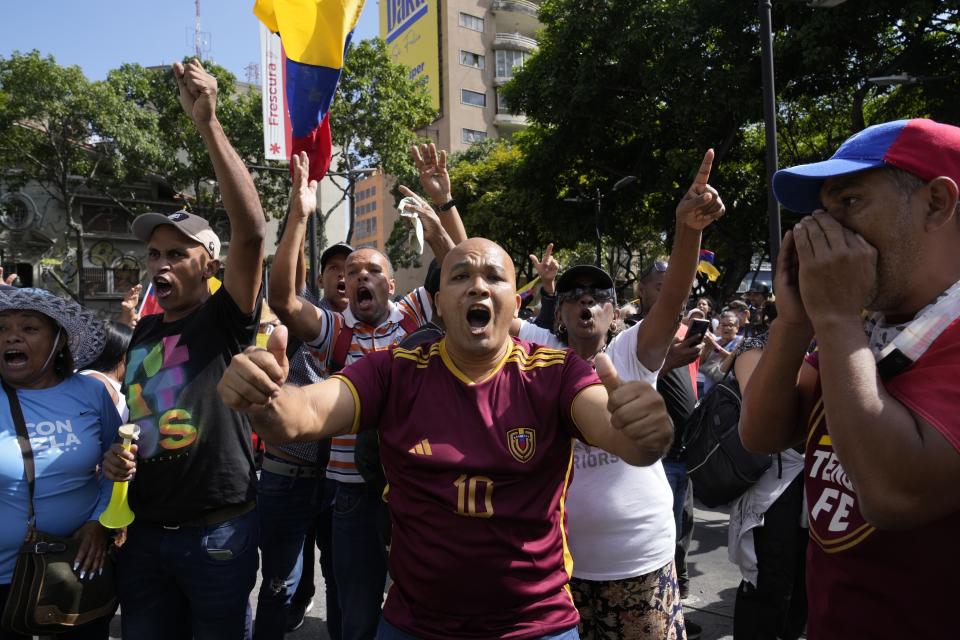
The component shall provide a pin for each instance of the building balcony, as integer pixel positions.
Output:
(516, 15)
(514, 41)
(510, 121)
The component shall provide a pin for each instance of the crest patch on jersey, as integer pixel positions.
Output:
(522, 442)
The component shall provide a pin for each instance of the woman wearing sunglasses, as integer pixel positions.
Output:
(622, 533)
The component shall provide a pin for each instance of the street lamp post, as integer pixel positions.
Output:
(770, 114)
(598, 213)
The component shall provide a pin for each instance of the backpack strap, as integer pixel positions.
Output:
(341, 347)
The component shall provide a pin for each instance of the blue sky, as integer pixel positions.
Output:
(101, 34)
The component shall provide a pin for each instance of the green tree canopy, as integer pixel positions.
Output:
(629, 87)
(376, 113)
(69, 135)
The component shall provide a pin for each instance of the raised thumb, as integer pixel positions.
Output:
(277, 345)
(607, 372)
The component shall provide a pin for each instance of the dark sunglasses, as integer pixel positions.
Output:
(657, 265)
(600, 295)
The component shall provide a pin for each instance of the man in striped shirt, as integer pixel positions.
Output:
(371, 322)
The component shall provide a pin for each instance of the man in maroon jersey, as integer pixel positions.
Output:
(876, 405)
(477, 435)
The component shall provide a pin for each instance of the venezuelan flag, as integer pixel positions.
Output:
(315, 36)
(526, 291)
(706, 265)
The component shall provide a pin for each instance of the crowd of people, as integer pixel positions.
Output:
(508, 478)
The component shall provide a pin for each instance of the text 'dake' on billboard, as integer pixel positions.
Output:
(276, 123)
(412, 33)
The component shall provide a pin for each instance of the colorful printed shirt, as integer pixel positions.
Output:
(195, 454)
(415, 306)
(478, 473)
(868, 583)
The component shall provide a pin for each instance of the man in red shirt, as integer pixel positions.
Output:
(877, 404)
(477, 435)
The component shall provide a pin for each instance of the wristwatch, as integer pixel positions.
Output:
(446, 206)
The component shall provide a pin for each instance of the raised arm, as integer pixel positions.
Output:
(698, 208)
(628, 419)
(435, 180)
(776, 404)
(128, 307)
(547, 270)
(254, 384)
(198, 96)
(301, 317)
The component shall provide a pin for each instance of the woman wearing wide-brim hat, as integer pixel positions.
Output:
(70, 421)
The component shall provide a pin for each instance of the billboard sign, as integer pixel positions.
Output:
(412, 32)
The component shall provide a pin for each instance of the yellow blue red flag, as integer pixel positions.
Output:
(706, 265)
(315, 36)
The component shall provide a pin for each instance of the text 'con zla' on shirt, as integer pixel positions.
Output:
(478, 473)
(195, 455)
(70, 426)
(413, 310)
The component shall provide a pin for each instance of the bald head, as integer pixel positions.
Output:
(479, 250)
(478, 298)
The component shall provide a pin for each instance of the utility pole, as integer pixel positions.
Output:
(197, 38)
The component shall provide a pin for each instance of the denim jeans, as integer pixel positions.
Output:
(288, 507)
(679, 483)
(190, 582)
(389, 632)
(359, 560)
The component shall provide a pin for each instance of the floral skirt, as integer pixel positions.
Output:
(646, 607)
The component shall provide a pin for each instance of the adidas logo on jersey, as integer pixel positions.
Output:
(422, 448)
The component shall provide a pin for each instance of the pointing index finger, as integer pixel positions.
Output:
(703, 174)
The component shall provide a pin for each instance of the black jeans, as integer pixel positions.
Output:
(99, 629)
(777, 606)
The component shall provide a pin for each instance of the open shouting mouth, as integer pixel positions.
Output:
(162, 287)
(365, 299)
(15, 359)
(478, 319)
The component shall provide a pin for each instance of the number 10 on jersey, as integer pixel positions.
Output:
(470, 491)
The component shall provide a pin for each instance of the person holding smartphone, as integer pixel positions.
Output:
(716, 350)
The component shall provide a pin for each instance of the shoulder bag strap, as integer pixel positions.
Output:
(24, 441)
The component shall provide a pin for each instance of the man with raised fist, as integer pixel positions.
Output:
(476, 435)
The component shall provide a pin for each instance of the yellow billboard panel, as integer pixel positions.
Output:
(412, 31)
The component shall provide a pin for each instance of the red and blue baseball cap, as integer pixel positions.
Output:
(925, 148)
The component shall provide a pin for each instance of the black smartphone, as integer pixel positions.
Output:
(698, 327)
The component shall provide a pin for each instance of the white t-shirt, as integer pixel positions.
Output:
(619, 517)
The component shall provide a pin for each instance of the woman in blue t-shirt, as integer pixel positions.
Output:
(70, 420)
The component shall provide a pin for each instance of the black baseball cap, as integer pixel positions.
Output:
(190, 225)
(568, 279)
(341, 248)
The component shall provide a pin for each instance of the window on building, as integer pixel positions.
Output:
(474, 98)
(471, 22)
(508, 60)
(373, 190)
(502, 106)
(470, 59)
(472, 135)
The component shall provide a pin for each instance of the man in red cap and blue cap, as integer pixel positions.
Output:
(877, 403)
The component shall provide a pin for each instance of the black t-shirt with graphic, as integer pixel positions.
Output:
(195, 455)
